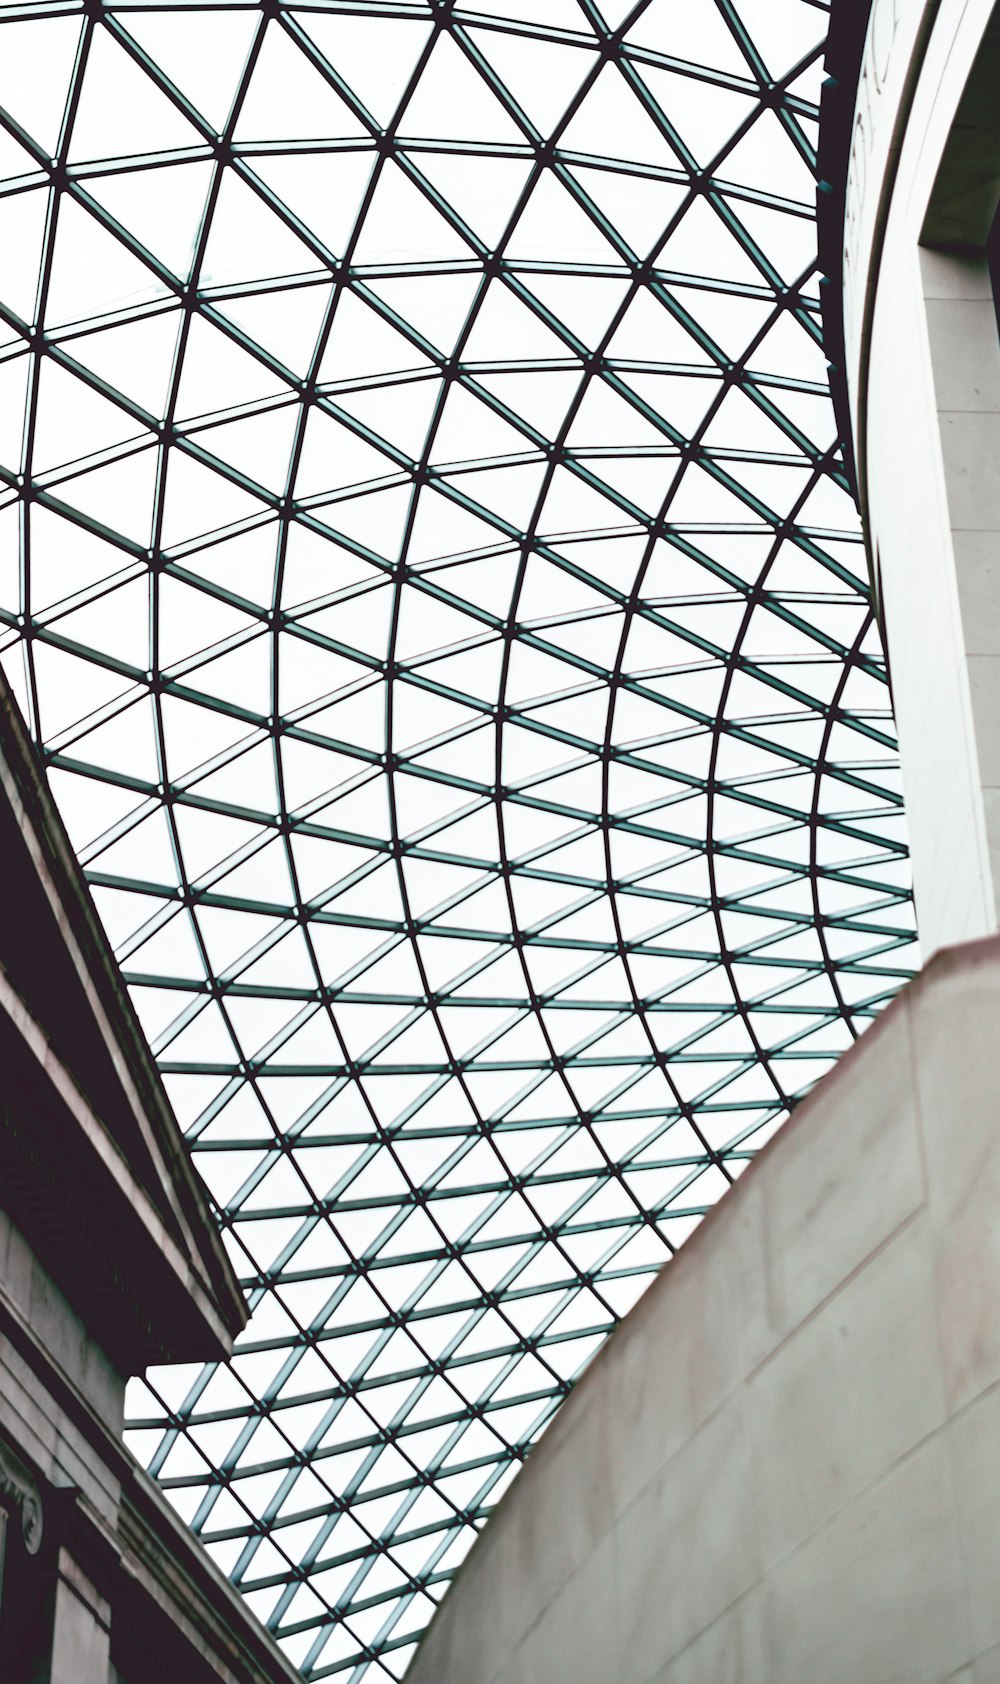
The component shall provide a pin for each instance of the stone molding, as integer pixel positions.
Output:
(20, 1492)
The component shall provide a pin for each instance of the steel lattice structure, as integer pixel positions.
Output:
(430, 572)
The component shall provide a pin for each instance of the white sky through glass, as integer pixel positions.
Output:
(427, 565)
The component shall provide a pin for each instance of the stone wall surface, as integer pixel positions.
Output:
(923, 369)
(785, 1464)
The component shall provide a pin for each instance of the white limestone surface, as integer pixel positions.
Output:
(924, 376)
(785, 1464)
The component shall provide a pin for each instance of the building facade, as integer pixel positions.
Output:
(913, 206)
(109, 1259)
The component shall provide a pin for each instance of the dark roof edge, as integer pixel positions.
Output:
(211, 1261)
(845, 46)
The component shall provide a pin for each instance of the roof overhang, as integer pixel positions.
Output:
(96, 1166)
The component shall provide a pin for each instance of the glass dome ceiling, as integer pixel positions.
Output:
(428, 568)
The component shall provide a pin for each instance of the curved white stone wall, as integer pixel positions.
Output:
(784, 1468)
(924, 375)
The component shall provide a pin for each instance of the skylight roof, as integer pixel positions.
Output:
(427, 565)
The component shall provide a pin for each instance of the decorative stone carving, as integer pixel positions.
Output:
(20, 1491)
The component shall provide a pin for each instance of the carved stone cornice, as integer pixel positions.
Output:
(19, 1492)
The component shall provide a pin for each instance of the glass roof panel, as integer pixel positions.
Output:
(428, 568)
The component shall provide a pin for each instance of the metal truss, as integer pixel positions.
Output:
(431, 574)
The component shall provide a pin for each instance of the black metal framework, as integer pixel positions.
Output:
(432, 577)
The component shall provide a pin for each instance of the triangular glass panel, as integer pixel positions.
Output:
(402, 226)
(190, 620)
(122, 112)
(506, 330)
(740, 424)
(356, 721)
(612, 111)
(202, 52)
(434, 305)
(199, 501)
(549, 591)
(118, 497)
(72, 419)
(603, 415)
(452, 101)
(704, 115)
(332, 456)
(543, 398)
(116, 623)
(161, 209)
(784, 240)
(71, 688)
(241, 677)
(375, 520)
(542, 76)
(363, 343)
(475, 672)
(553, 225)
(252, 769)
(248, 241)
(729, 321)
(243, 566)
(375, 56)
(257, 445)
(766, 154)
(782, 33)
(145, 848)
(701, 244)
(469, 430)
(66, 559)
(218, 374)
(573, 506)
(22, 230)
(322, 189)
(93, 272)
(314, 566)
(400, 413)
(284, 322)
(696, 33)
(13, 392)
(134, 357)
(288, 98)
(509, 492)
(35, 72)
(194, 736)
(487, 583)
(309, 673)
(649, 331)
(442, 527)
(586, 303)
(779, 488)
(787, 345)
(701, 499)
(127, 744)
(639, 206)
(482, 190)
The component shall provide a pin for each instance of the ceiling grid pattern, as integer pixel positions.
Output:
(428, 566)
